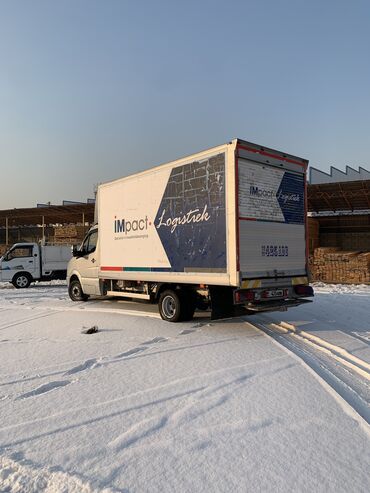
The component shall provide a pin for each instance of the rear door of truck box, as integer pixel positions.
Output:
(271, 203)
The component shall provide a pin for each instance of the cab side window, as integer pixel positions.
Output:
(89, 245)
(93, 239)
(20, 252)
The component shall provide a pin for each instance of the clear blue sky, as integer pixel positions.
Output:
(94, 90)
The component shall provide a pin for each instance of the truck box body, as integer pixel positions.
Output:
(234, 215)
(55, 257)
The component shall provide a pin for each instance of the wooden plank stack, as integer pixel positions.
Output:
(3, 249)
(313, 234)
(70, 234)
(330, 264)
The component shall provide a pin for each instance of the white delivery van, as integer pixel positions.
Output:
(225, 227)
(24, 263)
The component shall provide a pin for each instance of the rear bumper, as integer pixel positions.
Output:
(272, 299)
(276, 305)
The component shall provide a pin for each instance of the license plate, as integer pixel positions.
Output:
(274, 293)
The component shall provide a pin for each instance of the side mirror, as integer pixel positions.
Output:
(76, 252)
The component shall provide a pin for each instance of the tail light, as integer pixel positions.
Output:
(303, 290)
(242, 296)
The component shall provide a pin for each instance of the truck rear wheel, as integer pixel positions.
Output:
(171, 306)
(21, 280)
(75, 291)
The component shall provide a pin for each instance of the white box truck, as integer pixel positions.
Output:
(225, 227)
(24, 263)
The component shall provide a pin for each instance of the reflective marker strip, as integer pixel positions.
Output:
(299, 280)
(136, 269)
(257, 283)
(252, 283)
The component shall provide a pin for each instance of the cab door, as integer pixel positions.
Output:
(87, 264)
(20, 258)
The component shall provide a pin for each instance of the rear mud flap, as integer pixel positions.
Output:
(222, 303)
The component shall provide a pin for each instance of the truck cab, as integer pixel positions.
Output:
(20, 265)
(83, 268)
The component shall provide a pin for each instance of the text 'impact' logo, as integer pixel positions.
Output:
(124, 226)
(255, 191)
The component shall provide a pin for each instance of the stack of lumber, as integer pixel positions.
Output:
(70, 234)
(3, 249)
(313, 234)
(333, 265)
(310, 266)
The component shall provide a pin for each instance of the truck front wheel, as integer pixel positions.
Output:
(21, 280)
(75, 291)
(170, 306)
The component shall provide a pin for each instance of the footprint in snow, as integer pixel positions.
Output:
(43, 389)
(90, 363)
(132, 351)
(261, 425)
(156, 339)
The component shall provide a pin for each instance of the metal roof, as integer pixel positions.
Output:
(53, 214)
(335, 175)
(340, 196)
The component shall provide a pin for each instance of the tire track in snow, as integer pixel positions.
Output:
(83, 308)
(201, 402)
(350, 390)
(138, 432)
(336, 352)
(211, 398)
(148, 390)
(25, 320)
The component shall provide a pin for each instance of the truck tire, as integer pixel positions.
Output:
(75, 291)
(22, 280)
(171, 306)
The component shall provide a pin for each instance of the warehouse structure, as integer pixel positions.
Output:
(51, 224)
(341, 209)
(339, 225)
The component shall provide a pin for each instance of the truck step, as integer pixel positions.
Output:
(129, 294)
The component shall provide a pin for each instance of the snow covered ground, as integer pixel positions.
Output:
(275, 402)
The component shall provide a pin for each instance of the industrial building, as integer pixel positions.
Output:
(339, 224)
